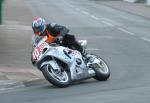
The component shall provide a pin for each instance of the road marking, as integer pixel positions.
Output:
(126, 31)
(107, 23)
(146, 39)
(17, 27)
(94, 17)
(92, 49)
(107, 19)
(106, 37)
(84, 12)
(71, 5)
(96, 37)
(78, 9)
(9, 22)
(10, 84)
(4, 89)
(110, 20)
(11, 88)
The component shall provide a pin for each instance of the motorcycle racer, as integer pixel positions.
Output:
(54, 32)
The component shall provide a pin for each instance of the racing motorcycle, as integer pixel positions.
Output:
(62, 66)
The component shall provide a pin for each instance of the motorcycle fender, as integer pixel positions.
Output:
(95, 60)
(52, 63)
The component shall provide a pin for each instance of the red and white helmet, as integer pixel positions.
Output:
(39, 25)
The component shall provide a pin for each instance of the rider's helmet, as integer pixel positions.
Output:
(39, 25)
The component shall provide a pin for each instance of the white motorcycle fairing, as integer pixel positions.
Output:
(73, 58)
(74, 61)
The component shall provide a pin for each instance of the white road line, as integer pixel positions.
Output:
(107, 19)
(92, 49)
(71, 6)
(9, 22)
(78, 9)
(11, 88)
(4, 89)
(146, 39)
(106, 37)
(84, 12)
(68, 3)
(17, 27)
(126, 31)
(94, 17)
(107, 23)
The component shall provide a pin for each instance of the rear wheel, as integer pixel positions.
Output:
(57, 78)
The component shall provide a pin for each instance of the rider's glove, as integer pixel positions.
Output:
(60, 38)
(61, 35)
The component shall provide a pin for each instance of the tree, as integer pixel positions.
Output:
(1, 2)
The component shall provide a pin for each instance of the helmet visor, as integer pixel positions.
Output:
(38, 30)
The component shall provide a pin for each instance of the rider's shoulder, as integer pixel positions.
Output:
(52, 25)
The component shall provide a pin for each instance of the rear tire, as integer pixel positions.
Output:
(49, 74)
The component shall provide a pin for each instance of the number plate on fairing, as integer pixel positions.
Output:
(37, 51)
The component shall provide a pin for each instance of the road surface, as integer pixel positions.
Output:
(122, 39)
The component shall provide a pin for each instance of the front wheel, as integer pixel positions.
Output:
(57, 78)
(102, 71)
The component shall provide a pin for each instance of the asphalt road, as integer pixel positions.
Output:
(120, 38)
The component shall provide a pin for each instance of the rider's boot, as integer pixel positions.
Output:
(85, 55)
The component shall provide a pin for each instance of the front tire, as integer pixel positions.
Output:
(59, 79)
(102, 71)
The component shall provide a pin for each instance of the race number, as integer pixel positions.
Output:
(37, 51)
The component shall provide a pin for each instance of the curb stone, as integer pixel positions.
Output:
(138, 6)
